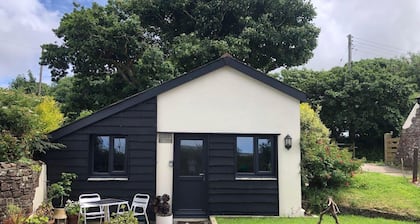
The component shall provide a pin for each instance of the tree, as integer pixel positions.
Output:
(265, 34)
(28, 84)
(128, 46)
(25, 120)
(373, 99)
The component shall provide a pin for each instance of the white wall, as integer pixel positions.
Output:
(227, 101)
(41, 190)
(164, 171)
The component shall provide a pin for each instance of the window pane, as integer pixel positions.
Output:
(265, 150)
(245, 154)
(119, 154)
(191, 157)
(101, 154)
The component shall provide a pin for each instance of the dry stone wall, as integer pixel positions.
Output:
(17, 186)
(409, 140)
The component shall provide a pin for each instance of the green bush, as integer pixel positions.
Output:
(124, 218)
(24, 123)
(36, 219)
(324, 165)
(61, 189)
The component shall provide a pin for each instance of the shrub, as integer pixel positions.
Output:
(36, 219)
(124, 218)
(324, 164)
(161, 205)
(14, 215)
(24, 122)
(62, 188)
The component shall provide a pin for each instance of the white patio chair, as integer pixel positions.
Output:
(139, 205)
(88, 210)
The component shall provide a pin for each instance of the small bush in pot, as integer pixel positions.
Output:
(46, 209)
(61, 189)
(72, 211)
(161, 205)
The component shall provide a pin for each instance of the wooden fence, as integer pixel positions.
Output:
(390, 147)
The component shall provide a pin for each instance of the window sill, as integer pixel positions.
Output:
(107, 179)
(255, 178)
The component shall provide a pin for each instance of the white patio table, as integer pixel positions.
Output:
(106, 203)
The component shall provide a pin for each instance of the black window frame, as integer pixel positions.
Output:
(256, 171)
(111, 172)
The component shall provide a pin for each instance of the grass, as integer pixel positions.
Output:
(381, 192)
(348, 219)
(373, 191)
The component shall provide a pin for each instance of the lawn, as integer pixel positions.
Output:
(372, 191)
(347, 219)
(381, 192)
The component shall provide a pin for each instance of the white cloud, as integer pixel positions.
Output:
(24, 26)
(382, 28)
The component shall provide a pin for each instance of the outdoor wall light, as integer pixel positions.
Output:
(288, 142)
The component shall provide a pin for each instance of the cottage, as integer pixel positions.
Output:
(213, 139)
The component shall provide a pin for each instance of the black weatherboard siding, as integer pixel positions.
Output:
(138, 125)
(227, 196)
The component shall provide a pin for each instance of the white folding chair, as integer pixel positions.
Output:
(88, 210)
(139, 205)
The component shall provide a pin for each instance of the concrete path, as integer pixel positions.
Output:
(371, 167)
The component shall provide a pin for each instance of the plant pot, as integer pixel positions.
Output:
(72, 219)
(164, 219)
(60, 214)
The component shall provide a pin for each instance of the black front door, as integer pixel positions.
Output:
(190, 185)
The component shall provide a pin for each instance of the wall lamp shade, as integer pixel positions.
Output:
(288, 142)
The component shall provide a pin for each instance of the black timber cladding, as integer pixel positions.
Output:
(227, 196)
(153, 92)
(138, 124)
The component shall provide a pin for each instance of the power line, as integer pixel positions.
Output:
(379, 45)
(382, 49)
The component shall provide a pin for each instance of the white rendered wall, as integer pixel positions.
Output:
(227, 101)
(164, 171)
(41, 190)
(409, 121)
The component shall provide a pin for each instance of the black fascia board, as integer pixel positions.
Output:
(153, 92)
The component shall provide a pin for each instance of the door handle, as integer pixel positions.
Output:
(202, 175)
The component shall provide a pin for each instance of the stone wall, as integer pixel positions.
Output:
(410, 138)
(17, 186)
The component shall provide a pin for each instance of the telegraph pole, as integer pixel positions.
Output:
(40, 80)
(349, 46)
(351, 133)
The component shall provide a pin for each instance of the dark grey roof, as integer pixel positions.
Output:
(152, 92)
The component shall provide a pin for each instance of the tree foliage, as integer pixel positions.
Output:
(373, 99)
(127, 46)
(24, 122)
(49, 114)
(324, 165)
(28, 84)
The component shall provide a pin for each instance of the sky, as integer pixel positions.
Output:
(379, 28)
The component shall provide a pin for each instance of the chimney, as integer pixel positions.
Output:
(418, 100)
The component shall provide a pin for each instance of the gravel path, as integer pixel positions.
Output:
(371, 167)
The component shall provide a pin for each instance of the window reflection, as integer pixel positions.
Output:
(109, 154)
(101, 154)
(119, 154)
(191, 157)
(245, 154)
(264, 154)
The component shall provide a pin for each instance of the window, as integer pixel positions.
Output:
(255, 155)
(109, 155)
